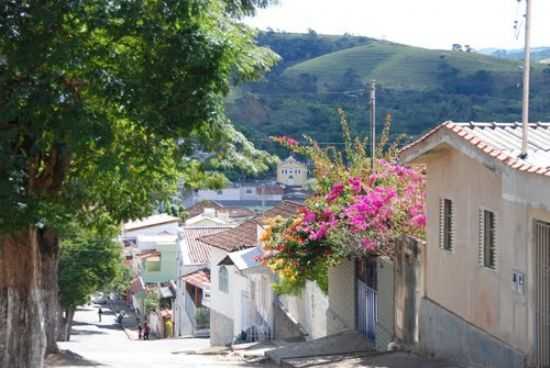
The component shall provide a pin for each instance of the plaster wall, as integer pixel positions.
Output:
(226, 304)
(341, 296)
(168, 265)
(309, 309)
(483, 297)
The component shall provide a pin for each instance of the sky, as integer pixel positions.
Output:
(426, 23)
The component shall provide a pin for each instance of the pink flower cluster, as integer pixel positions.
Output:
(372, 209)
(285, 141)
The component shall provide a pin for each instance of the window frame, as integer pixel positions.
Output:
(223, 279)
(447, 235)
(482, 223)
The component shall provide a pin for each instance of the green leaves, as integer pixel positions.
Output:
(89, 260)
(98, 100)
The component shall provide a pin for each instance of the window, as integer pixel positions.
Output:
(223, 279)
(153, 264)
(487, 239)
(446, 224)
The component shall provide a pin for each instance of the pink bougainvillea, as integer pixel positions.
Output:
(355, 211)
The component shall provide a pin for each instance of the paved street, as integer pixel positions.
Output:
(104, 344)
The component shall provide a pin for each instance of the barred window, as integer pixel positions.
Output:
(446, 224)
(487, 239)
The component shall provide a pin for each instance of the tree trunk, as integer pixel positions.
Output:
(69, 316)
(22, 337)
(49, 249)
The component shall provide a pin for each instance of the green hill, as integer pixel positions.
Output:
(418, 87)
(396, 66)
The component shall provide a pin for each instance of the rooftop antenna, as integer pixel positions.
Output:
(373, 123)
(526, 80)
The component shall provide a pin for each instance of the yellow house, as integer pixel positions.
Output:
(487, 264)
(291, 172)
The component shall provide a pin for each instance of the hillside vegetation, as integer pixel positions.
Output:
(396, 66)
(418, 87)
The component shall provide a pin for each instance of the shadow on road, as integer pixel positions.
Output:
(67, 358)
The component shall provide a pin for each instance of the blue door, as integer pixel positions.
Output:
(366, 301)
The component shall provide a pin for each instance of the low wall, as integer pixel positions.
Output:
(221, 329)
(448, 336)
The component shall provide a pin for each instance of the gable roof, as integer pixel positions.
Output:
(199, 207)
(154, 220)
(197, 251)
(498, 141)
(246, 234)
(243, 259)
(284, 209)
(242, 236)
(199, 278)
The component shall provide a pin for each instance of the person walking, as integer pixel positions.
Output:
(146, 331)
(100, 313)
(140, 331)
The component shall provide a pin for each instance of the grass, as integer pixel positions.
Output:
(396, 66)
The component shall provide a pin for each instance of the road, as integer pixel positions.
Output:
(105, 344)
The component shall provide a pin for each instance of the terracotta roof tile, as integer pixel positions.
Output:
(199, 278)
(242, 236)
(501, 141)
(245, 235)
(284, 209)
(198, 252)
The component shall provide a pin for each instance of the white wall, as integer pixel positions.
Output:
(309, 309)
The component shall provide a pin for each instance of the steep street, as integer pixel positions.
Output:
(104, 344)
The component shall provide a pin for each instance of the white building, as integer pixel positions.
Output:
(291, 172)
(193, 266)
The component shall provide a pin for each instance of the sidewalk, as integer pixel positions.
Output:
(129, 322)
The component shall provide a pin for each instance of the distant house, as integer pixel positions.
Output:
(487, 284)
(291, 172)
(230, 290)
(193, 278)
(243, 305)
(157, 258)
(160, 224)
(150, 250)
(244, 195)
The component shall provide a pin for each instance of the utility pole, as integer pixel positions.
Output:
(373, 124)
(526, 79)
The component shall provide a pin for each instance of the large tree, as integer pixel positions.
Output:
(99, 100)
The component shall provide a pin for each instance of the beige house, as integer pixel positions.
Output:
(291, 172)
(486, 269)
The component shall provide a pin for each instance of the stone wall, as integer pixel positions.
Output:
(448, 336)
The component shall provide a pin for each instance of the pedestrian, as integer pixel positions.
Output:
(146, 331)
(100, 313)
(140, 331)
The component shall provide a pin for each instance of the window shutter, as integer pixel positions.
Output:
(494, 245)
(442, 223)
(452, 229)
(481, 237)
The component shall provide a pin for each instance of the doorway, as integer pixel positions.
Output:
(542, 284)
(366, 297)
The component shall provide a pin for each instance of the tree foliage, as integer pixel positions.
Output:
(100, 100)
(90, 260)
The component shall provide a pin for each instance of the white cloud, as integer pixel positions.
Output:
(426, 23)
